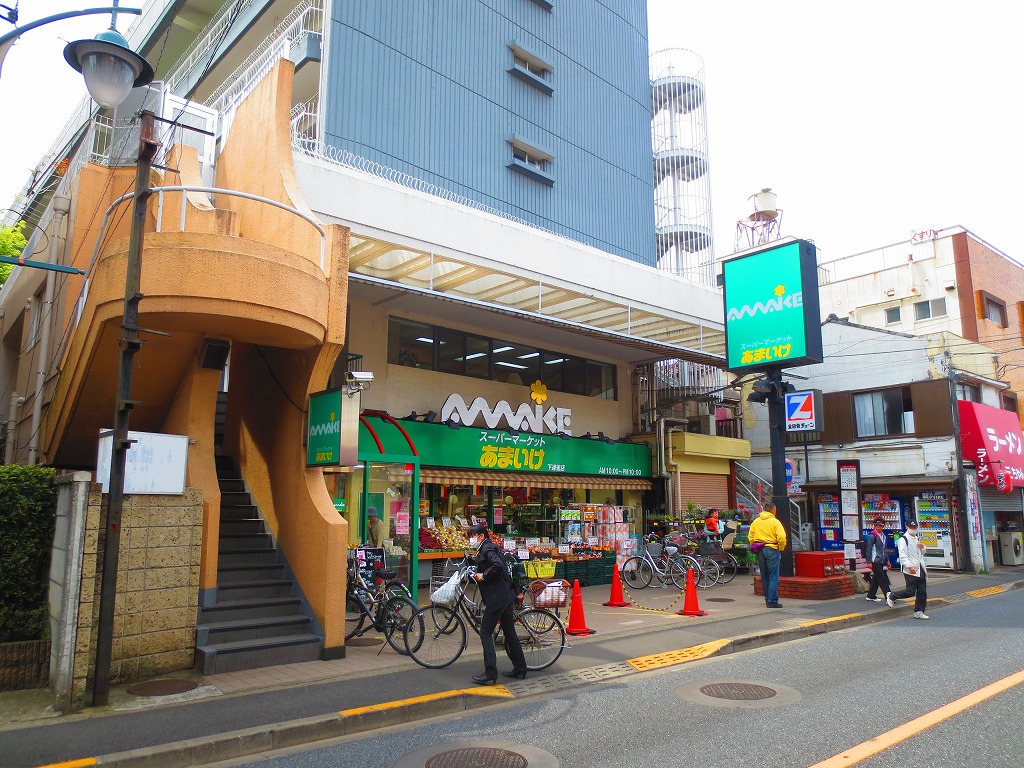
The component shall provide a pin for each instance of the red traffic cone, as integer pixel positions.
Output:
(690, 607)
(577, 623)
(615, 599)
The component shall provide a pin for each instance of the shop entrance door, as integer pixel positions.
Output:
(390, 490)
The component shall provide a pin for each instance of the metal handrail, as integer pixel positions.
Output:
(745, 479)
(160, 191)
(202, 44)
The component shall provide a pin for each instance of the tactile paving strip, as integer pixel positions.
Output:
(985, 592)
(670, 658)
(574, 678)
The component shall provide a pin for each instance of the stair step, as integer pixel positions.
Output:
(232, 574)
(232, 610)
(249, 590)
(252, 629)
(238, 512)
(231, 485)
(243, 525)
(247, 557)
(231, 542)
(224, 462)
(232, 499)
(248, 654)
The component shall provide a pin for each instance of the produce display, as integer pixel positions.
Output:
(450, 539)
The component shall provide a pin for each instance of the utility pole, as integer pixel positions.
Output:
(130, 343)
(777, 435)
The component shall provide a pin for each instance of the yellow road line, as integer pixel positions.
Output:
(834, 618)
(901, 733)
(82, 763)
(986, 592)
(683, 655)
(498, 691)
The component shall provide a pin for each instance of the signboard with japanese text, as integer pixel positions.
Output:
(499, 450)
(803, 411)
(771, 308)
(332, 433)
(992, 439)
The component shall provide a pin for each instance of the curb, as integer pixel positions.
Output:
(250, 741)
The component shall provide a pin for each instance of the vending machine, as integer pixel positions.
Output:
(830, 524)
(935, 528)
(889, 509)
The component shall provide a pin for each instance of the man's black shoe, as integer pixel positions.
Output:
(516, 673)
(775, 605)
(485, 679)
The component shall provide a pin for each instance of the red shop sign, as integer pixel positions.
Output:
(992, 439)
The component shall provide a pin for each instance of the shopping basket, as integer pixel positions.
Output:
(540, 569)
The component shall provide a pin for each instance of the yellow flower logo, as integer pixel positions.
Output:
(779, 290)
(538, 392)
(333, 416)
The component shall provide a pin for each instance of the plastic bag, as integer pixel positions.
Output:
(446, 593)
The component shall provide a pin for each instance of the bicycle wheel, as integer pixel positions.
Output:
(354, 616)
(396, 613)
(637, 573)
(707, 576)
(397, 589)
(435, 636)
(728, 567)
(542, 636)
(677, 570)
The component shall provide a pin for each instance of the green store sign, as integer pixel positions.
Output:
(323, 438)
(771, 308)
(499, 450)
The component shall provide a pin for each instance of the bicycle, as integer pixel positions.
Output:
(639, 571)
(389, 613)
(437, 634)
(706, 570)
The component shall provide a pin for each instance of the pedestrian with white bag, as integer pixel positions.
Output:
(911, 559)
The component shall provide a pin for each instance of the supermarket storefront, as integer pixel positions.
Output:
(427, 482)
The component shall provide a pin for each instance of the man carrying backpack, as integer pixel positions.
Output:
(874, 553)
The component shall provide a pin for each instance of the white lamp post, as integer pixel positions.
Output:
(110, 68)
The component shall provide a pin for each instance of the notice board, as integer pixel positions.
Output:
(155, 462)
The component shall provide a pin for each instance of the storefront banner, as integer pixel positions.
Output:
(992, 439)
(494, 449)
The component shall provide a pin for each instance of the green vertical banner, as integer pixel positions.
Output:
(323, 439)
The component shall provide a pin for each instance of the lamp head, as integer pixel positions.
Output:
(110, 68)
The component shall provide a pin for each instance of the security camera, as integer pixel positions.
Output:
(358, 377)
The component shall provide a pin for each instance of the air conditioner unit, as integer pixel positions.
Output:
(707, 424)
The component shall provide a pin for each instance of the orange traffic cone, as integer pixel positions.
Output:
(690, 607)
(577, 623)
(615, 599)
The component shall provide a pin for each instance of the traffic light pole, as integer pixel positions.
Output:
(777, 434)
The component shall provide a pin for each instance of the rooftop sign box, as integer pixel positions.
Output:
(771, 307)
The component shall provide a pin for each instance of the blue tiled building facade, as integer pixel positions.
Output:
(538, 109)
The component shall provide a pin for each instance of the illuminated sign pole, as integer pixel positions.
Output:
(772, 322)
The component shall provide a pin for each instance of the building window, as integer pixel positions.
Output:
(969, 392)
(532, 162)
(419, 345)
(884, 412)
(892, 316)
(923, 310)
(531, 69)
(993, 309)
(547, 5)
(1009, 401)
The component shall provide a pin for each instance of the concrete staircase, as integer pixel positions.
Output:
(257, 620)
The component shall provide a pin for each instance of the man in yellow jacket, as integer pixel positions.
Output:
(769, 533)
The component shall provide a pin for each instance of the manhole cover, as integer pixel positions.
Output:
(719, 600)
(738, 691)
(357, 642)
(162, 687)
(477, 757)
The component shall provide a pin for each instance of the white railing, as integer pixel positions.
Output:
(206, 43)
(304, 19)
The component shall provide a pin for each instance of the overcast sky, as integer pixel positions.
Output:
(869, 120)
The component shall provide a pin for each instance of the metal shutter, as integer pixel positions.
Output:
(706, 490)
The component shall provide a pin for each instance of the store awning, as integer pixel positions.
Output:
(992, 439)
(444, 476)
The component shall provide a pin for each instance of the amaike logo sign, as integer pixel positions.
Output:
(771, 308)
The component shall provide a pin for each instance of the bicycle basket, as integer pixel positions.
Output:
(671, 551)
(654, 549)
(550, 594)
(443, 591)
(709, 548)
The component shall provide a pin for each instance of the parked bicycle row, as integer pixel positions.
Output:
(671, 557)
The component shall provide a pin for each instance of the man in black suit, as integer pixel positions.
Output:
(496, 589)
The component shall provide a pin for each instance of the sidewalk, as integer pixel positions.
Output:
(374, 686)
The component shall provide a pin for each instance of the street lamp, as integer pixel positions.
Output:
(110, 68)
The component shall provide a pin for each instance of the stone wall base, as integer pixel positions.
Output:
(24, 665)
(803, 588)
